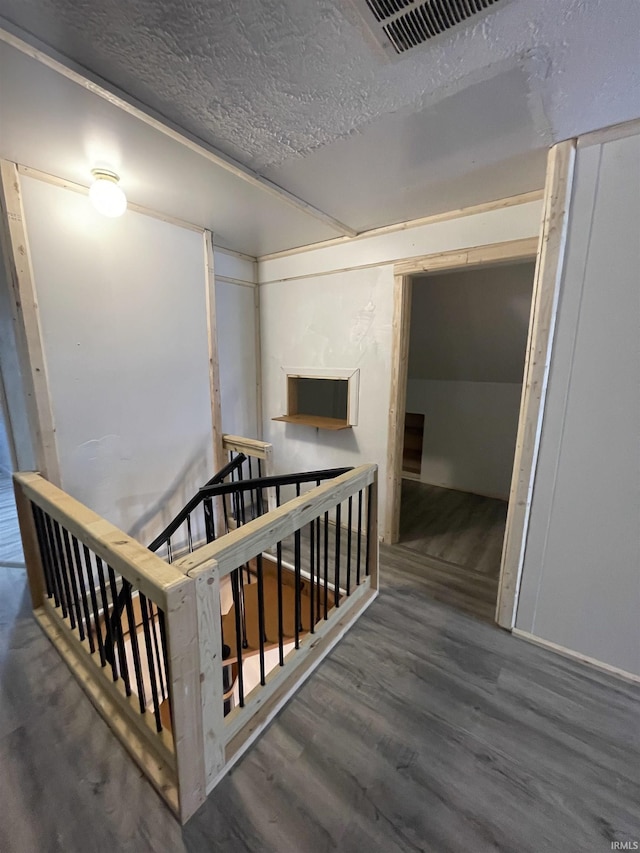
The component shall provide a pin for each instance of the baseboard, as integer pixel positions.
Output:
(569, 653)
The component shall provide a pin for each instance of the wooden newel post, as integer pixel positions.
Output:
(30, 546)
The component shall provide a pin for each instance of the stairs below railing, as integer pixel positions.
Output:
(189, 657)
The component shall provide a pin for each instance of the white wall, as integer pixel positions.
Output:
(469, 433)
(123, 313)
(236, 326)
(466, 359)
(581, 579)
(333, 307)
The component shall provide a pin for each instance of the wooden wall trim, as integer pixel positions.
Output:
(26, 322)
(485, 207)
(397, 403)
(494, 253)
(214, 368)
(546, 290)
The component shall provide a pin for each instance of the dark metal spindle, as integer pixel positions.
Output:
(280, 615)
(349, 534)
(55, 565)
(359, 538)
(210, 531)
(261, 616)
(64, 575)
(189, 534)
(152, 669)
(94, 603)
(312, 542)
(74, 582)
(318, 574)
(236, 602)
(135, 649)
(154, 637)
(116, 623)
(169, 550)
(277, 495)
(109, 638)
(297, 602)
(44, 551)
(326, 564)
(336, 581)
(83, 594)
(369, 526)
(165, 652)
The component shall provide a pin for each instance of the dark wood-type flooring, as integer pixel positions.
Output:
(455, 540)
(425, 729)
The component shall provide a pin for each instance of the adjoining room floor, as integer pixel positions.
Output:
(456, 538)
(424, 730)
(10, 544)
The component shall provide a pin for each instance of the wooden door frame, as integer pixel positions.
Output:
(548, 251)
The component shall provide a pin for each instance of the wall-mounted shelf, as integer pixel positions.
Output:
(314, 421)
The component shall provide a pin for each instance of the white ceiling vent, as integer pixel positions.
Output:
(399, 25)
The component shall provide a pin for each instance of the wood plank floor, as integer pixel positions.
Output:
(10, 544)
(456, 538)
(425, 730)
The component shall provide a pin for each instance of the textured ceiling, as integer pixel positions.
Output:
(282, 85)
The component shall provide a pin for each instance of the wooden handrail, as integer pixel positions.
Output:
(248, 446)
(241, 545)
(143, 569)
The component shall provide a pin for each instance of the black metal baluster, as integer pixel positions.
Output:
(253, 506)
(154, 637)
(94, 603)
(369, 526)
(336, 581)
(326, 564)
(189, 534)
(236, 603)
(63, 573)
(135, 649)
(57, 579)
(318, 573)
(261, 616)
(116, 624)
(209, 527)
(74, 582)
(169, 550)
(359, 537)
(165, 653)
(44, 551)
(298, 579)
(312, 542)
(83, 593)
(244, 521)
(110, 644)
(349, 534)
(152, 670)
(242, 609)
(297, 490)
(277, 495)
(280, 614)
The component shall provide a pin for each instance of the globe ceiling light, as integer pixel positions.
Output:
(106, 195)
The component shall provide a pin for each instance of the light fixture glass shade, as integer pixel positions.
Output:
(105, 194)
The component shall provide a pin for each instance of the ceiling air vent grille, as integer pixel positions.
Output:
(402, 24)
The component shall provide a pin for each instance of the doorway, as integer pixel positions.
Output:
(466, 357)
